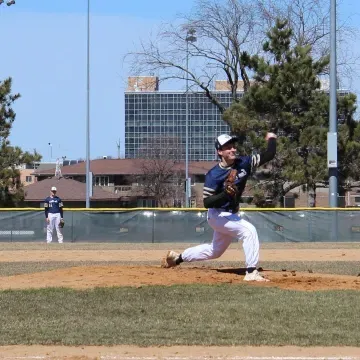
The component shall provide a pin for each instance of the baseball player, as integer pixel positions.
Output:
(223, 187)
(54, 215)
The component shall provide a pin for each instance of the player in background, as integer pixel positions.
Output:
(222, 203)
(53, 214)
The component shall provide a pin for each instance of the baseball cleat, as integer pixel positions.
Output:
(254, 276)
(170, 259)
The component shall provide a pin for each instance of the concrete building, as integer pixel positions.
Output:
(26, 171)
(156, 118)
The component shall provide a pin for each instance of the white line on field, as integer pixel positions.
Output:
(115, 357)
(23, 357)
(119, 357)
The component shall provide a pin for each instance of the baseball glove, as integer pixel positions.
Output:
(229, 184)
(62, 223)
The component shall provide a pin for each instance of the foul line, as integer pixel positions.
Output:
(106, 357)
(119, 357)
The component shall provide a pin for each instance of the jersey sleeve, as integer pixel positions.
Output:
(266, 156)
(248, 163)
(46, 207)
(255, 161)
(61, 208)
(210, 186)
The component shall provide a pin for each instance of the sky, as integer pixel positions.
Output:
(43, 49)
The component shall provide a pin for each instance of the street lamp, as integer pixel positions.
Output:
(190, 37)
(88, 110)
(50, 144)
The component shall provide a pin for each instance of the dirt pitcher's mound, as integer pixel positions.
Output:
(84, 277)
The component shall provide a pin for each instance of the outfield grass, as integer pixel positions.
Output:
(330, 267)
(180, 315)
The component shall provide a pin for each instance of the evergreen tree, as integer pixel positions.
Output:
(11, 157)
(286, 98)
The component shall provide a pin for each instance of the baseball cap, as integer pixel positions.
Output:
(224, 139)
(53, 188)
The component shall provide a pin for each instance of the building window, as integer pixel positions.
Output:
(147, 203)
(28, 179)
(101, 181)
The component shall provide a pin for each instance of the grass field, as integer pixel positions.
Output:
(180, 315)
(220, 314)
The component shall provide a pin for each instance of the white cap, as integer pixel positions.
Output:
(224, 139)
(53, 188)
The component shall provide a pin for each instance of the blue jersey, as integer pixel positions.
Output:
(215, 178)
(53, 205)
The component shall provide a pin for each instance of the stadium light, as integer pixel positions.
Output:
(190, 37)
(88, 185)
(332, 146)
(332, 134)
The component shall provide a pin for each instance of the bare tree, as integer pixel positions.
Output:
(223, 33)
(227, 32)
(308, 19)
(161, 177)
(310, 23)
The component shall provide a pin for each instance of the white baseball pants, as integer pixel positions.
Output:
(226, 226)
(54, 222)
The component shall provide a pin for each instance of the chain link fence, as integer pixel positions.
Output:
(157, 226)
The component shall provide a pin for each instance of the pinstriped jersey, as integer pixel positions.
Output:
(215, 178)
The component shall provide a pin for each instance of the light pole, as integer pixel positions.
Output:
(190, 37)
(50, 144)
(88, 110)
(332, 134)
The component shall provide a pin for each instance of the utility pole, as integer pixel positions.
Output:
(118, 147)
(190, 37)
(332, 147)
(88, 179)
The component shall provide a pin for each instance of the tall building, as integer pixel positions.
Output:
(156, 120)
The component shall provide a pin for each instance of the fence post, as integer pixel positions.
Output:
(335, 226)
(310, 226)
(72, 226)
(12, 227)
(153, 228)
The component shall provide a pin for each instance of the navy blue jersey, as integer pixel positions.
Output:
(215, 178)
(53, 205)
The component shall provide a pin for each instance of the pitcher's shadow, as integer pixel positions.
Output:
(236, 271)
